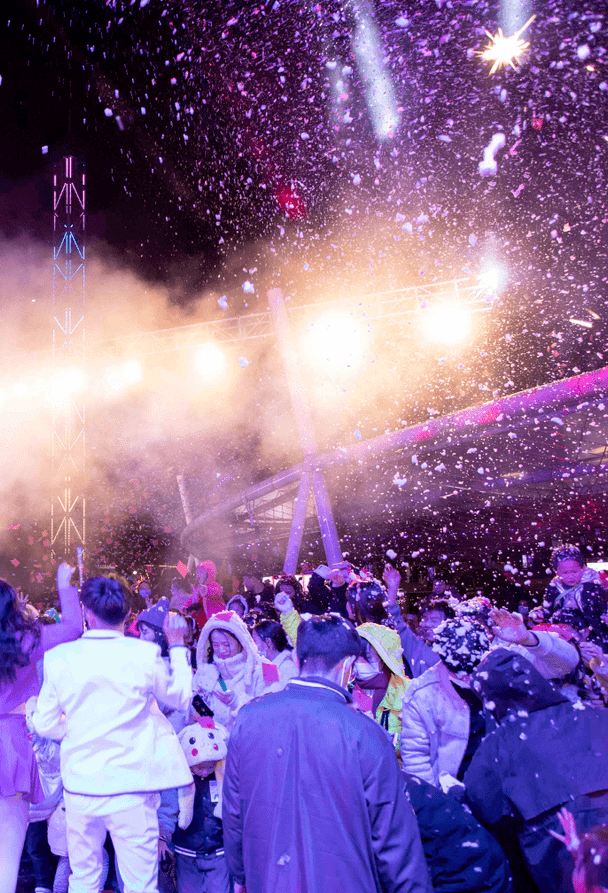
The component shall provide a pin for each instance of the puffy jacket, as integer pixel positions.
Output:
(434, 726)
(241, 674)
(436, 720)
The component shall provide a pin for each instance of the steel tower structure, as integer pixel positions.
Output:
(68, 507)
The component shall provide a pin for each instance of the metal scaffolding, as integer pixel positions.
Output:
(387, 306)
(68, 507)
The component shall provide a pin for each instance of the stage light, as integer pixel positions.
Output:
(336, 342)
(210, 361)
(492, 277)
(370, 59)
(124, 375)
(447, 323)
(64, 385)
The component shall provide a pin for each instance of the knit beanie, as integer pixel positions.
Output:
(155, 616)
(461, 644)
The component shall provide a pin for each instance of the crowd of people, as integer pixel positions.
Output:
(286, 740)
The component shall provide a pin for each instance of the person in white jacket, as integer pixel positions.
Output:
(437, 731)
(230, 671)
(99, 697)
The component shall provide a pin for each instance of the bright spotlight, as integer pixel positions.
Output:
(338, 342)
(492, 277)
(210, 361)
(64, 385)
(447, 323)
(124, 375)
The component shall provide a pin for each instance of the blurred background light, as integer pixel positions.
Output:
(211, 363)
(447, 323)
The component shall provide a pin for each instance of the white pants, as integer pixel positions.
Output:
(134, 833)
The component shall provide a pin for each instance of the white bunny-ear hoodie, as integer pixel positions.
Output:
(241, 674)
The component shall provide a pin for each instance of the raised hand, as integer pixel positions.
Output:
(336, 577)
(64, 575)
(392, 578)
(569, 838)
(175, 629)
(510, 628)
(283, 603)
(22, 599)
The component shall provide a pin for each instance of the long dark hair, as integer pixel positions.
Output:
(19, 635)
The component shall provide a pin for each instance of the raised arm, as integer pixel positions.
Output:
(290, 619)
(71, 612)
(173, 687)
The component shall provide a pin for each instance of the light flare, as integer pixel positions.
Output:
(506, 50)
(447, 324)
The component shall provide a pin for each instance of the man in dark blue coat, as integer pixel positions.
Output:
(313, 800)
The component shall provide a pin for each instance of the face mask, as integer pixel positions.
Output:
(364, 671)
(347, 672)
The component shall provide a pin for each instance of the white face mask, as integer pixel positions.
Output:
(364, 671)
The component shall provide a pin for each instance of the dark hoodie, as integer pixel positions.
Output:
(544, 752)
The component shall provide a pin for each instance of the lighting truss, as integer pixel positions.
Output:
(68, 509)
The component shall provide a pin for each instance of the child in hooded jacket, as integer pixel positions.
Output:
(190, 819)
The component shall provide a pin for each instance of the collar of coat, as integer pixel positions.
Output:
(320, 682)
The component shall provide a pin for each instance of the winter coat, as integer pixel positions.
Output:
(418, 655)
(436, 720)
(386, 644)
(434, 726)
(590, 598)
(313, 799)
(460, 853)
(241, 674)
(287, 667)
(543, 754)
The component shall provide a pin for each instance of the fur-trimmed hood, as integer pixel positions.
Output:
(229, 622)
